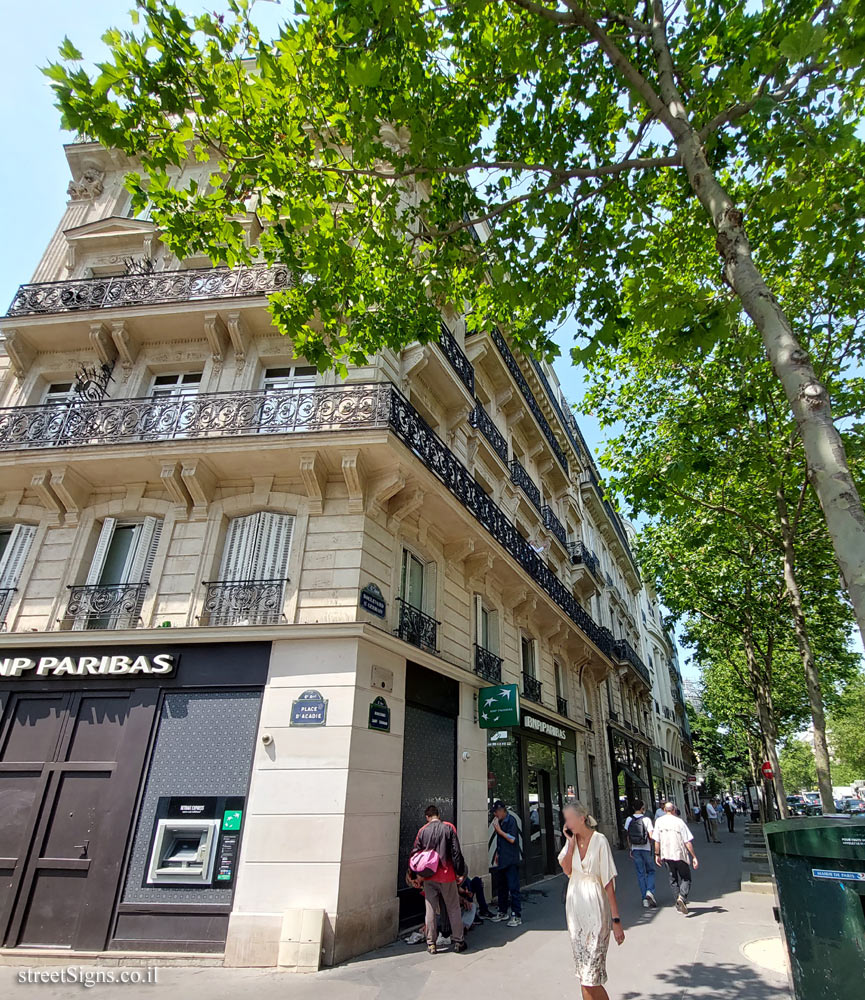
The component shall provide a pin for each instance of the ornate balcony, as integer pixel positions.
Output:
(531, 688)
(525, 483)
(528, 396)
(243, 602)
(419, 629)
(459, 362)
(488, 665)
(5, 600)
(625, 651)
(222, 414)
(105, 606)
(481, 419)
(553, 524)
(562, 705)
(580, 555)
(149, 289)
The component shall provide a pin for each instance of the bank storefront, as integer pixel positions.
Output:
(630, 762)
(532, 767)
(124, 773)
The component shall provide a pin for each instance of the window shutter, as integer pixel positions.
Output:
(493, 626)
(19, 544)
(100, 553)
(238, 551)
(140, 562)
(429, 589)
(272, 545)
(479, 612)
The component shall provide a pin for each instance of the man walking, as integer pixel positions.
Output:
(712, 822)
(730, 813)
(638, 828)
(440, 846)
(507, 864)
(674, 842)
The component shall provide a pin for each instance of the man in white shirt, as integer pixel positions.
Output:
(638, 830)
(673, 845)
(712, 823)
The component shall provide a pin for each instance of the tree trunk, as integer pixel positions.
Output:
(812, 671)
(767, 723)
(828, 469)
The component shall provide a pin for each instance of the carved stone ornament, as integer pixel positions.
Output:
(88, 186)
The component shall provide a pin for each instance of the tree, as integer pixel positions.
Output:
(847, 732)
(797, 760)
(373, 138)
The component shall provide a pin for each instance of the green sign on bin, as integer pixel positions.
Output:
(499, 706)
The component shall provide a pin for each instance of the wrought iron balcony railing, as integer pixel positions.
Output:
(221, 414)
(553, 524)
(459, 362)
(525, 483)
(5, 600)
(580, 555)
(512, 366)
(488, 665)
(562, 705)
(243, 602)
(289, 411)
(531, 688)
(416, 627)
(625, 651)
(105, 606)
(481, 419)
(149, 289)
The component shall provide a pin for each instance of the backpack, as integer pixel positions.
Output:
(425, 863)
(637, 833)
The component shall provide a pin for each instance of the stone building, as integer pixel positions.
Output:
(247, 608)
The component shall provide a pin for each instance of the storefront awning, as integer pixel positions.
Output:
(634, 776)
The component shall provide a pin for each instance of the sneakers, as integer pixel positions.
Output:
(431, 949)
(681, 905)
(499, 917)
(646, 903)
(515, 921)
(486, 914)
(460, 946)
(442, 941)
(650, 900)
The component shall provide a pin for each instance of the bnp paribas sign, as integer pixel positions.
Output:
(499, 706)
(48, 667)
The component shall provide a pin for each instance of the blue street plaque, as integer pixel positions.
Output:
(371, 600)
(829, 873)
(310, 709)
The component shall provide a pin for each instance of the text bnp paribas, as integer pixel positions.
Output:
(86, 666)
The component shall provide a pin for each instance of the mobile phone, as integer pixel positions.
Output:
(568, 832)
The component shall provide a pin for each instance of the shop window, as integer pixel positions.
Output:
(176, 384)
(15, 542)
(119, 573)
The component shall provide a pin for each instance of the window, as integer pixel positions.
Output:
(15, 543)
(560, 689)
(527, 651)
(57, 393)
(178, 384)
(487, 626)
(289, 377)
(418, 583)
(252, 574)
(113, 591)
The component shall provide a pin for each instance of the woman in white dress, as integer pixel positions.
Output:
(590, 905)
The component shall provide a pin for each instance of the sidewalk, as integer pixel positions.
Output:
(665, 954)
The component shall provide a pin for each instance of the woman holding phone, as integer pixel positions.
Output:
(590, 905)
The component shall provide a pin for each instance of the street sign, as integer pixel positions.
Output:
(767, 771)
(692, 779)
(499, 706)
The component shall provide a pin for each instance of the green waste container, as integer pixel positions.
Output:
(819, 868)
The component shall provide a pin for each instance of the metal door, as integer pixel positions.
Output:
(70, 768)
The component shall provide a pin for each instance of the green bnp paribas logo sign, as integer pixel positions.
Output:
(499, 706)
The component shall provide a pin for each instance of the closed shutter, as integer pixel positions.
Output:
(100, 553)
(20, 540)
(493, 629)
(140, 562)
(272, 545)
(479, 621)
(429, 589)
(239, 549)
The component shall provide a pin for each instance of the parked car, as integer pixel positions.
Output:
(796, 805)
(852, 804)
(858, 809)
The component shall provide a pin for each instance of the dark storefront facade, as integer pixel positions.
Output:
(123, 779)
(533, 769)
(630, 762)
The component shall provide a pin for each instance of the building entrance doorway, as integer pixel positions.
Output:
(544, 810)
(70, 768)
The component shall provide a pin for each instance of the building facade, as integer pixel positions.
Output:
(247, 609)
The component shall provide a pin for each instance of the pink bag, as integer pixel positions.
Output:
(425, 863)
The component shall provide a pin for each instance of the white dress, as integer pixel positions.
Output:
(588, 909)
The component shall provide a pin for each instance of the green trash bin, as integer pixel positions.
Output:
(819, 868)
